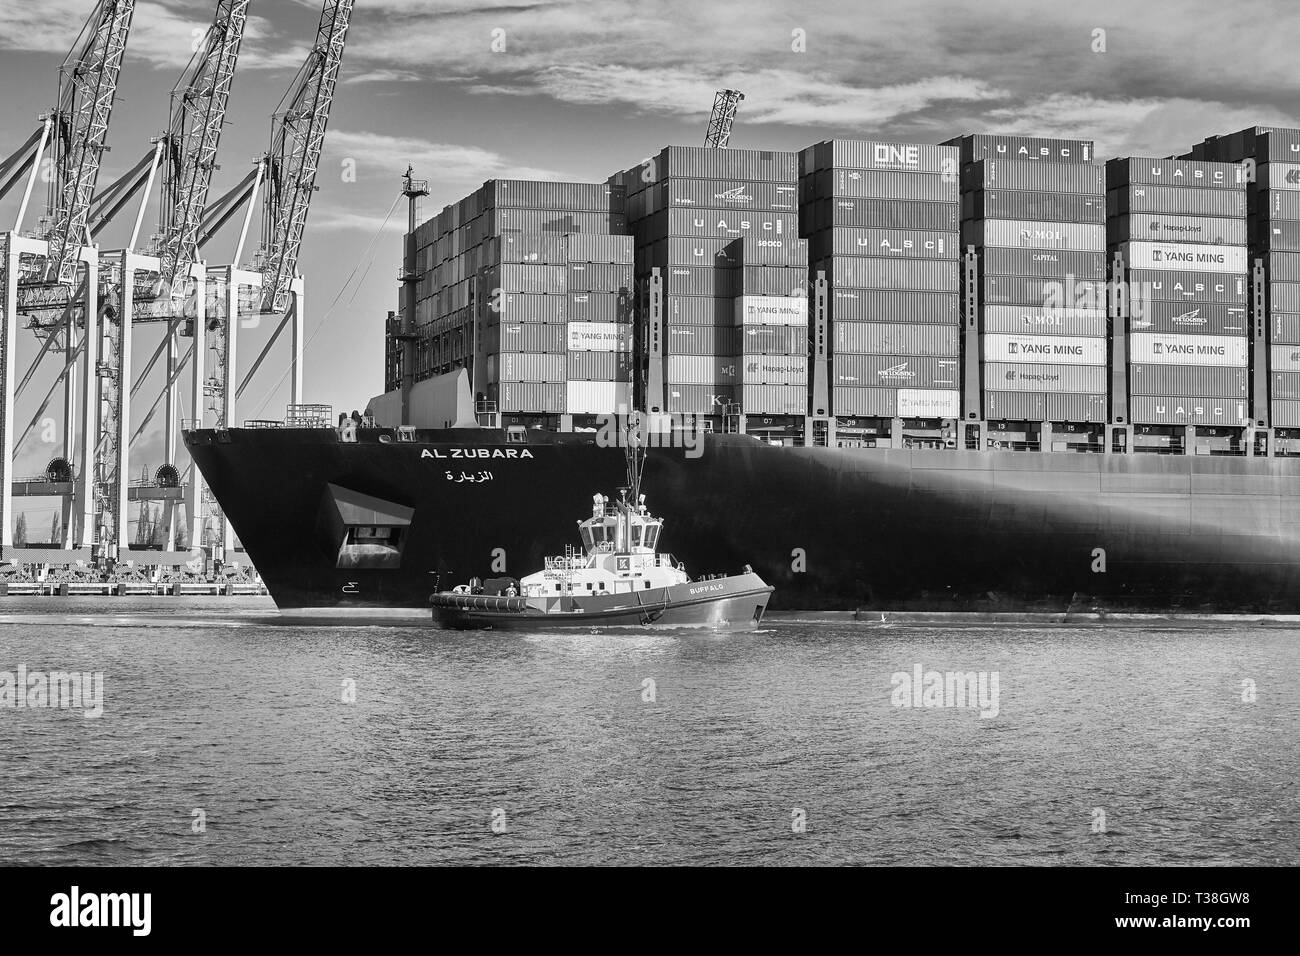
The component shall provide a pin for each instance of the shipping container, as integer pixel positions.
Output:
(1284, 385)
(1283, 296)
(774, 370)
(786, 252)
(521, 307)
(702, 162)
(699, 310)
(1188, 410)
(1263, 143)
(1033, 205)
(1179, 286)
(879, 184)
(869, 402)
(769, 340)
(712, 253)
(773, 399)
(772, 281)
(1284, 414)
(894, 371)
(1277, 204)
(915, 308)
(524, 337)
(1277, 234)
(567, 197)
(703, 369)
(699, 399)
(600, 307)
(929, 403)
(526, 367)
(703, 340)
(771, 310)
(1174, 172)
(886, 338)
(600, 366)
(1284, 328)
(599, 277)
(876, 154)
(1284, 358)
(977, 146)
(497, 222)
(598, 337)
(1031, 377)
(1014, 406)
(1028, 234)
(1074, 407)
(1187, 380)
(885, 243)
(1170, 349)
(1081, 178)
(529, 279)
(920, 275)
(1206, 319)
(1282, 266)
(718, 223)
(1228, 260)
(721, 194)
(701, 281)
(1206, 229)
(1063, 293)
(545, 248)
(598, 398)
(591, 247)
(1284, 176)
(1176, 201)
(1037, 321)
(1043, 262)
(1043, 349)
(879, 214)
(531, 397)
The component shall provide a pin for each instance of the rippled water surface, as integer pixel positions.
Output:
(642, 748)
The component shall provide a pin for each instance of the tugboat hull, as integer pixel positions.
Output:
(734, 603)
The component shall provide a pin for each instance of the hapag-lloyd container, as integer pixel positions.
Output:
(1284, 328)
(764, 399)
(598, 337)
(549, 397)
(1038, 176)
(1033, 205)
(886, 338)
(700, 399)
(896, 402)
(1188, 410)
(702, 340)
(1228, 260)
(600, 366)
(896, 371)
(1179, 286)
(1027, 377)
(1174, 172)
(1038, 321)
(1206, 229)
(887, 243)
(977, 146)
(786, 252)
(524, 337)
(1182, 317)
(1043, 262)
(1284, 358)
(921, 275)
(1045, 349)
(878, 154)
(1176, 201)
(1166, 349)
(598, 398)
(1028, 234)
(914, 308)
(771, 340)
(774, 370)
(879, 184)
(771, 310)
(703, 369)
(526, 367)
(523, 307)
(882, 214)
(1187, 380)
(1278, 175)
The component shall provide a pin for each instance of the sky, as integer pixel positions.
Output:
(470, 91)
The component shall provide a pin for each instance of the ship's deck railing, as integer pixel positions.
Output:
(262, 423)
(309, 416)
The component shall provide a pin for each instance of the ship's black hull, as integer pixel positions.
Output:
(830, 528)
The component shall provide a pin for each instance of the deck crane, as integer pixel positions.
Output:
(725, 104)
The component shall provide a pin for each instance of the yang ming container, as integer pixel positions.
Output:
(1230, 260)
(1043, 349)
(1166, 349)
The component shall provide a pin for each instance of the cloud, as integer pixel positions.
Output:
(451, 162)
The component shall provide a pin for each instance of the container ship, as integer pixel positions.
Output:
(989, 375)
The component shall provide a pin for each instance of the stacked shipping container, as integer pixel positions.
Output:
(1034, 212)
(881, 223)
(722, 228)
(1180, 227)
(1271, 159)
(529, 285)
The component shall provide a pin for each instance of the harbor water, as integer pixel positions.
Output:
(227, 737)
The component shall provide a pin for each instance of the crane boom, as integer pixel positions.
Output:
(87, 89)
(297, 138)
(724, 114)
(198, 112)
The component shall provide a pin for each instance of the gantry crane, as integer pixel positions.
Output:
(725, 104)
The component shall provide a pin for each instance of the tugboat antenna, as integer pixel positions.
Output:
(635, 455)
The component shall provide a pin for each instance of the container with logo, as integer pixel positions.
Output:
(1176, 201)
(977, 146)
(722, 194)
(878, 154)
(598, 337)
(532, 397)
(1166, 349)
(1194, 257)
(774, 369)
(718, 223)
(820, 214)
(1039, 321)
(703, 369)
(1142, 171)
(1043, 262)
(1027, 377)
(1184, 318)
(1198, 229)
(1169, 285)
(700, 399)
(771, 310)
(1044, 349)
(886, 243)
(1029, 234)
(1188, 410)
(885, 371)
(879, 305)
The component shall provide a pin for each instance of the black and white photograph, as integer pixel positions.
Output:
(596, 433)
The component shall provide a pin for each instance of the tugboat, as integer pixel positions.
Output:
(618, 578)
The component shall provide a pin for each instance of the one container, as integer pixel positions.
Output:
(879, 154)
(1228, 260)
(894, 371)
(1165, 349)
(771, 310)
(1187, 380)
(1033, 204)
(1029, 234)
(1025, 377)
(703, 369)
(881, 214)
(526, 367)
(885, 338)
(1176, 201)
(1044, 349)
(915, 308)
(702, 340)
(1188, 410)
(598, 398)
(1038, 176)
(546, 398)
(921, 275)
(598, 337)
(1206, 229)
(1043, 262)
(1037, 321)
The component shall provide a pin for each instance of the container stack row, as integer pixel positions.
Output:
(1179, 227)
(1271, 161)
(881, 224)
(1034, 212)
(722, 228)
